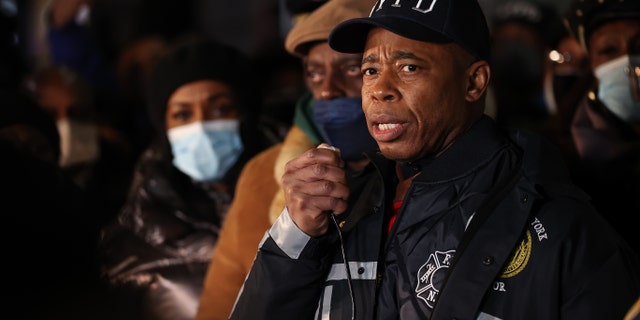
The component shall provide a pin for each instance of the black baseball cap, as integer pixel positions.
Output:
(440, 21)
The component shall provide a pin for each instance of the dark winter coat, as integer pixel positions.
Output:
(155, 255)
(542, 252)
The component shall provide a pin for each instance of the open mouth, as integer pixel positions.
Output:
(385, 132)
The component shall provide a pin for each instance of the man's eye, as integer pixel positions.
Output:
(353, 70)
(368, 71)
(409, 68)
(313, 76)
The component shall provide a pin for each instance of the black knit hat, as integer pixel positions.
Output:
(199, 60)
(584, 16)
(458, 21)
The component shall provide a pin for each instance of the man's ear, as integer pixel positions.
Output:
(478, 75)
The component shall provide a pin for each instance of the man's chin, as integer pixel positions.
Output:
(395, 151)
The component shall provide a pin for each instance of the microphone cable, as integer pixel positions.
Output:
(346, 267)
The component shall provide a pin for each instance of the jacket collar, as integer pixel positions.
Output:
(476, 146)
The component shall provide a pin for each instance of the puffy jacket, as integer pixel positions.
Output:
(540, 252)
(155, 254)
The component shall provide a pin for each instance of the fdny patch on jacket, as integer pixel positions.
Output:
(431, 274)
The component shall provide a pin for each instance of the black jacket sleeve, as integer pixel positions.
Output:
(281, 287)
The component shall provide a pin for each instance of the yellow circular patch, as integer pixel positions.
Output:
(519, 259)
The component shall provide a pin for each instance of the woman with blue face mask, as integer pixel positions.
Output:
(201, 103)
(606, 124)
(203, 128)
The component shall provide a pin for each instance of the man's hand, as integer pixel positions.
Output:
(315, 184)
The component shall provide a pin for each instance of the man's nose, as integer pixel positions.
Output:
(382, 88)
(332, 87)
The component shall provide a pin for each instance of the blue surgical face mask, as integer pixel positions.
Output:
(342, 123)
(206, 150)
(614, 87)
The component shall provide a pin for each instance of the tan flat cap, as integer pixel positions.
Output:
(317, 25)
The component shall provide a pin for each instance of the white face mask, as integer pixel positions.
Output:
(614, 87)
(78, 142)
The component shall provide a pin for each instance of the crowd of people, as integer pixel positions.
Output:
(347, 159)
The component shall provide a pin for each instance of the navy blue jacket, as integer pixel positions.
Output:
(490, 229)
